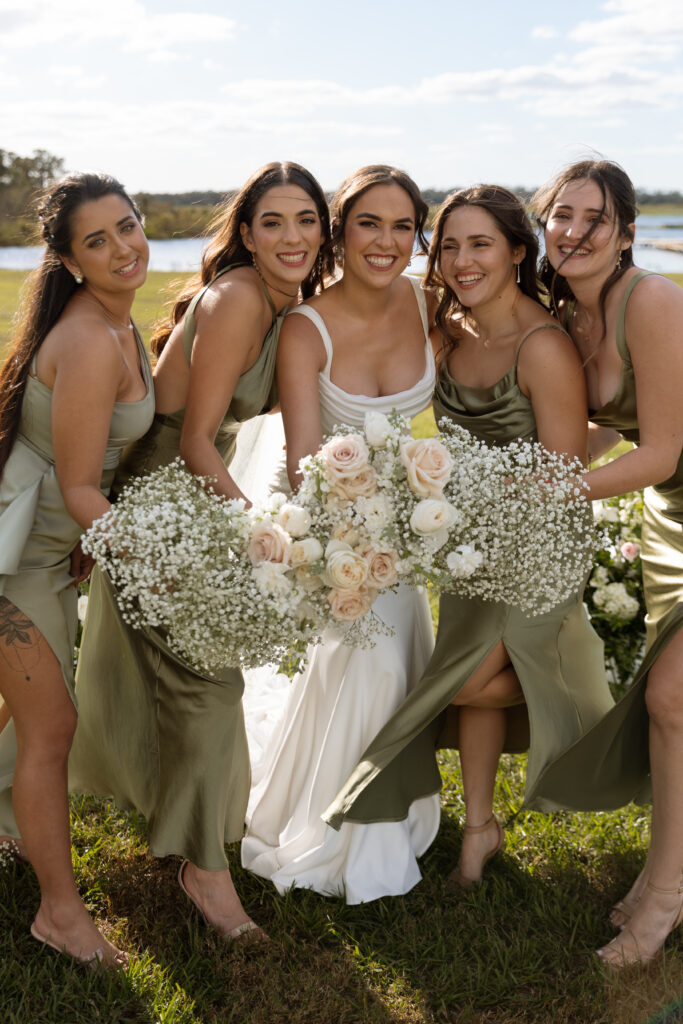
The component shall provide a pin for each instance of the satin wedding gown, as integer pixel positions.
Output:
(333, 711)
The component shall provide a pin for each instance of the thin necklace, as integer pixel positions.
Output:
(272, 286)
(108, 315)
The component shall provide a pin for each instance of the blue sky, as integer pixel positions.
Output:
(193, 94)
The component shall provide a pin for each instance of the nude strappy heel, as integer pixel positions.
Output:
(456, 877)
(615, 955)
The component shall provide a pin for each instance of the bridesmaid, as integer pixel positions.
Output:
(75, 388)
(497, 679)
(626, 326)
(154, 732)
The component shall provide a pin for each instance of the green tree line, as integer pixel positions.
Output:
(167, 215)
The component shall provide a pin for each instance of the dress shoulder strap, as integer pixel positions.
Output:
(190, 323)
(622, 347)
(421, 302)
(314, 316)
(552, 324)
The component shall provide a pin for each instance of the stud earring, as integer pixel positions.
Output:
(78, 278)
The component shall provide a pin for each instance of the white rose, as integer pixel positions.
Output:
(464, 561)
(271, 579)
(82, 606)
(294, 519)
(268, 543)
(304, 552)
(346, 569)
(346, 533)
(431, 515)
(428, 466)
(361, 485)
(344, 456)
(378, 429)
(350, 605)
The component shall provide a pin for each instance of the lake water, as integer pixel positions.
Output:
(184, 254)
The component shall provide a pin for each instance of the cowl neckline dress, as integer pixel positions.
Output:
(557, 656)
(154, 732)
(37, 536)
(335, 707)
(610, 766)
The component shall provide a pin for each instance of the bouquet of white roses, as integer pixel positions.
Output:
(507, 524)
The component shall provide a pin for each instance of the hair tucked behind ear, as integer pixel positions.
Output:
(48, 289)
(226, 246)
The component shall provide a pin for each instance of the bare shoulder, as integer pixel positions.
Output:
(83, 337)
(300, 338)
(548, 346)
(239, 292)
(654, 294)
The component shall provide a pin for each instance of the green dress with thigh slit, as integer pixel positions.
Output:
(610, 766)
(37, 536)
(154, 732)
(557, 656)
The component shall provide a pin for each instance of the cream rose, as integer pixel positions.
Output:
(346, 569)
(268, 543)
(294, 519)
(349, 605)
(428, 466)
(304, 552)
(378, 429)
(362, 485)
(431, 515)
(382, 566)
(346, 533)
(344, 456)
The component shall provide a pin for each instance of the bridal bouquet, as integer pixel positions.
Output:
(506, 524)
(205, 571)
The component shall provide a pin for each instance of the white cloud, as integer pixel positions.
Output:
(544, 32)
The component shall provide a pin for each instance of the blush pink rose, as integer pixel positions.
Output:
(629, 550)
(349, 605)
(428, 466)
(345, 456)
(268, 543)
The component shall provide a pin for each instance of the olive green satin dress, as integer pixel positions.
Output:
(37, 536)
(557, 656)
(610, 766)
(154, 732)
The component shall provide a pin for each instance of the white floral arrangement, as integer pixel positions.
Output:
(203, 570)
(506, 524)
(614, 595)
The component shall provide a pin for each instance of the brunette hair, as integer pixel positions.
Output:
(226, 246)
(49, 288)
(511, 218)
(618, 203)
(360, 182)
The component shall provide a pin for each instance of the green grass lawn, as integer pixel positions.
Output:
(516, 951)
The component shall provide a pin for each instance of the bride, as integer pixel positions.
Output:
(360, 346)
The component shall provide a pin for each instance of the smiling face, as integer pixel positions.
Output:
(379, 235)
(577, 208)
(108, 245)
(476, 260)
(284, 236)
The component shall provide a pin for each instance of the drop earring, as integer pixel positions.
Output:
(618, 266)
(78, 278)
(519, 273)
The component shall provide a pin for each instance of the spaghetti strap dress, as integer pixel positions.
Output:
(557, 656)
(155, 733)
(37, 536)
(335, 707)
(610, 766)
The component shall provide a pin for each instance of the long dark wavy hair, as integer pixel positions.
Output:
(48, 289)
(356, 185)
(227, 247)
(511, 218)
(618, 203)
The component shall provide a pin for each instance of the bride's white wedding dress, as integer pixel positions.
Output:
(335, 708)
